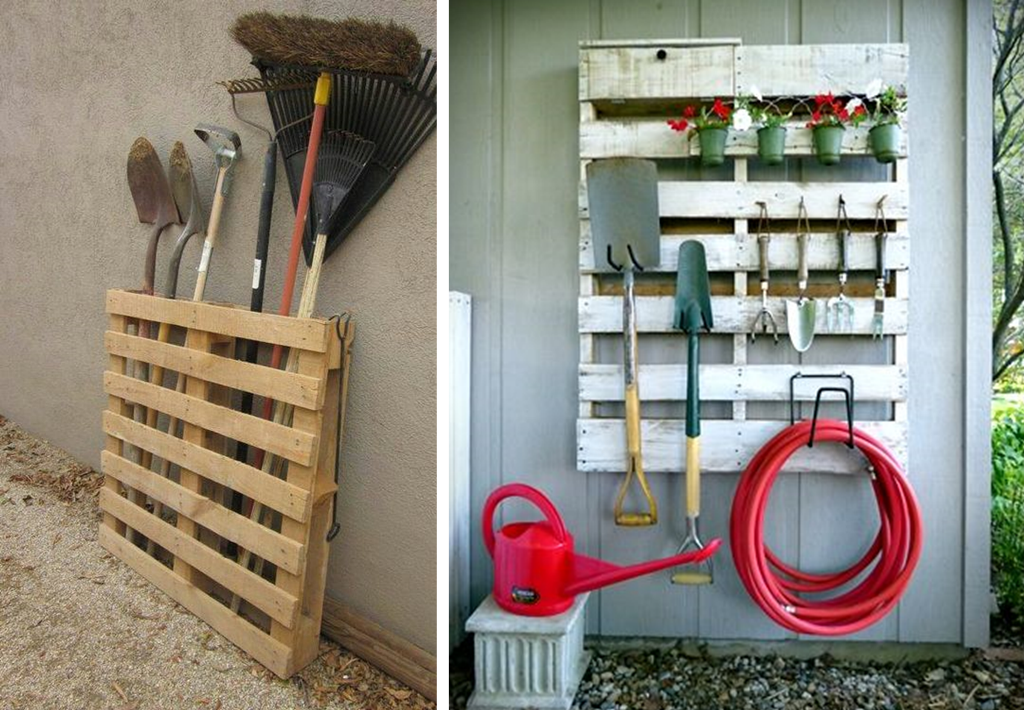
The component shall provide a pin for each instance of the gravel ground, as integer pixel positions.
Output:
(667, 678)
(79, 629)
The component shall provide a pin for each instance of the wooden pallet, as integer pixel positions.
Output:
(278, 622)
(628, 90)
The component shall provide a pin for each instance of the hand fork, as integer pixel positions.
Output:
(764, 320)
(839, 309)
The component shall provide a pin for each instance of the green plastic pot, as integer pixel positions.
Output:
(712, 146)
(771, 144)
(885, 142)
(828, 144)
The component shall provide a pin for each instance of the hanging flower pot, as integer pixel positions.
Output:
(712, 146)
(771, 144)
(884, 140)
(828, 144)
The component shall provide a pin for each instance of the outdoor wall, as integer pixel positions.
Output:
(78, 83)
(514, 248)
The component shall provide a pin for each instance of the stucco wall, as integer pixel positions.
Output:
(77, 86)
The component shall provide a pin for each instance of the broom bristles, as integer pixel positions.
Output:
(357, 45)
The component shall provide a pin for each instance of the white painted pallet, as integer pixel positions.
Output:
(653, 79)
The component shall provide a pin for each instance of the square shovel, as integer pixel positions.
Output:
(623, 199)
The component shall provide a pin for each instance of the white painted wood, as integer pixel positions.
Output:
(729, 200)
(726, 446)
(738, 382)
(638, 73)
(805, 70)
(652, 138)
(459, 364)
(727, 252)
(603, 314)
(672, 42)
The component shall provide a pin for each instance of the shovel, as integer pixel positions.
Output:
(623, 198)
(692, 313)
(800, 314)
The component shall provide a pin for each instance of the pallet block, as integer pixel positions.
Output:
(278, 621)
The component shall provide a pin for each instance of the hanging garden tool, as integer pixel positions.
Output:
(839, 309)
(764, 320)
(622, 194)
(384, 90)
(692, 314)
(801, 313)
(537, 571)
(881, 273)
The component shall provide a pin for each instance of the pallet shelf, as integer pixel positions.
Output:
(628, 90)
(278, 621)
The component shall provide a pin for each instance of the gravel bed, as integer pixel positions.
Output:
(81, 630)
(673, 678)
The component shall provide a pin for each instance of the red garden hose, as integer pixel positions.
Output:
(775, 586)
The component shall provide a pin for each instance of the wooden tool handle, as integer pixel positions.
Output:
(693, 476)
(211, 235)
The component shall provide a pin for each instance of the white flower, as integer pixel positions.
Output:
(756, 93)
(873, 89)
(854, 104)
(741, 120)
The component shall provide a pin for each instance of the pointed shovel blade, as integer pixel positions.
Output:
(148, 184)
(693, 289)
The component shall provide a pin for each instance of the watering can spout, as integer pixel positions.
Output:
(589, 573)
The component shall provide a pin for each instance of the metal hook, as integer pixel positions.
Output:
(632, 257)
(611, 262)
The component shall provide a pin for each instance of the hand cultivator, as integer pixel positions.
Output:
(839, 309)
(765, 319)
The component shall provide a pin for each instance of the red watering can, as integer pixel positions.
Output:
(536, 571)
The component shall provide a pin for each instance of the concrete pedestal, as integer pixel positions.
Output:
(524, 661)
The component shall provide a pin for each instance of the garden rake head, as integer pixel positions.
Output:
(839, 309)
(383, 89)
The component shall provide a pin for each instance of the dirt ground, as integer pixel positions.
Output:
(79, 629)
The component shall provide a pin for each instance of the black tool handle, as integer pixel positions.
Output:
(880, 271)
(763, 240)
(844, 250)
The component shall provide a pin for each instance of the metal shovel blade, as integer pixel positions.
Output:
(693, 289)
(149, 187)
(800, 318)
(622, 194)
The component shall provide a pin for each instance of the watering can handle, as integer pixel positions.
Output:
(519, 490)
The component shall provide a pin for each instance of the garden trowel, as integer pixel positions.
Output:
(693, 314)
(801, 313)
(622, 195)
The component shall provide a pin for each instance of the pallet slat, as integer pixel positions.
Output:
(268, 544)
(738, 252)
(638, 73)
(283, 497)
(305, 392)
(260, 433)
(873, 383)
(603, 314)
(736, 200)
(652, 138)
(271, 653)
(788, 70)
(726, 446)
(262, 594)
(305, 333)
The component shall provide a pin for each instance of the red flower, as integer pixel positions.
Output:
(860, 110)
(816, 116)
(690, 111)
(720, 110)
(679, 125)
(822, 99)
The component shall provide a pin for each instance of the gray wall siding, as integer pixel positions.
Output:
(514, 234)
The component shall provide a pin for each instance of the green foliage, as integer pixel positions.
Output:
(1008, 511)
(889, 107)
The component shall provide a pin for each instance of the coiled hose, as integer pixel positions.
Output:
(775, 586)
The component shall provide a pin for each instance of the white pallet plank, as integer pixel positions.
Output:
(739, 288)
(726, 252)
(901, 352)
(726, 446)
(603, 314)
(806, 70)
(638, 73)
(769, 383)
(652, 138)
(732, 200)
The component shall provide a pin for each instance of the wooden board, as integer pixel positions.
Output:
(278, 621)
(639, 72)
(726, 446)
(603, 314)
(781, 70)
